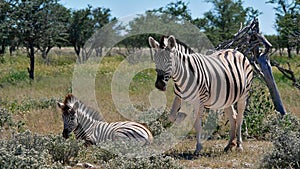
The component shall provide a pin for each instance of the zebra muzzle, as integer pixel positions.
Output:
(161, 85)
(66, 134)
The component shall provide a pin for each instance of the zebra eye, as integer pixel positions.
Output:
(72, 118)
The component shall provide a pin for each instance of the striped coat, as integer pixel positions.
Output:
(217, 81)
(88, 125)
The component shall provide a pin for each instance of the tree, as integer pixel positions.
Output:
(83, 24)
(4, 25)
(224, 19)
(173, 19)
(102, 17)
(33, 22)
(175, 10)
(53, 28)
(81, 29)
(287, 22)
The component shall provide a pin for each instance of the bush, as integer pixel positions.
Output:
(27, 150)
(285, 136)
(7, 122)
(14, 77)
(159, 161)
(260, 107)
(28, 104)
(5, 119)
(63, 150)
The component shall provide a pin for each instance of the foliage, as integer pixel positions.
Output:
(37, 24)
(173, 19)
(35, 151)
(161, 123)
(26, 151)
(286, 146)
(83, 24)
(7, 122)
(176, 10)
(287, 23)
(63, 150)
(159, 162)
(14, 77)
(28, 104)
(4, 27)
(260, 107)
(222, 22)
(54, 28)
(5, 119)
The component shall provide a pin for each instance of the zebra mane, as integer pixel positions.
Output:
(87, 111)
(164, 39)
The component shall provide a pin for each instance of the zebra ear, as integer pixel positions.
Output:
(60, 105)
(153, 43)
(171, 42)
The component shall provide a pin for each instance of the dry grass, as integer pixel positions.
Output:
(290, 94)
(55, 80)
(212, 155)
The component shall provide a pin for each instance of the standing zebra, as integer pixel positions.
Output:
(217, 81)
(88, 125)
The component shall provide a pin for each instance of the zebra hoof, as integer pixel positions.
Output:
(196, 153)
(239, 148)
(180, 117)
(229, 147)
(198, 149)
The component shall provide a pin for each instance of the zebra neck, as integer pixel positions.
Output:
(180, 68)
(187, 74)
(85, 128)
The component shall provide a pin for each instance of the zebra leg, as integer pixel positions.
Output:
(241, 105)
(231, 113)
(198, 127)
(174, 115)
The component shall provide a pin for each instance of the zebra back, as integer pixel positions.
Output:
(132, 131)
(70, 100)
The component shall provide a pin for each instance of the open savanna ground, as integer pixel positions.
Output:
(32, 105)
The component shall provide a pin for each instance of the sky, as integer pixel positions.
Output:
(125, 8)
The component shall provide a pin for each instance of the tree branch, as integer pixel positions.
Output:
(288, 73)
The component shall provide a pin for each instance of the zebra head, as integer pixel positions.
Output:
(69, 116)
(163, 58)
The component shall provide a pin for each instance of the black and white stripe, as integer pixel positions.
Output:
(217, 81)
(88, 125)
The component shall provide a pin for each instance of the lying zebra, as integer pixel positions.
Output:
(88, 125)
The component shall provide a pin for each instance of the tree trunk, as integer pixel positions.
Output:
(280, 51)
(77, 51)
(45, 52)
(289, 51)
(11, 49)
(2, 51)
(31, 57)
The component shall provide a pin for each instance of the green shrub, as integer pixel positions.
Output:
(158, 162)
(260, 106)
(15, 77)
(2, 59)
(28, 104)
(5, 118)
(26, 150)
(160, 124)
(63, 150)
(7, 122)
(286, 150)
